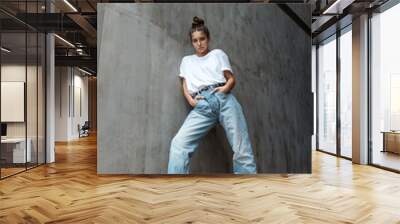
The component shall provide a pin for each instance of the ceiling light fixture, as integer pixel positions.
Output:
(79, 51)
(64, 40)
(86, 72)
(70, 5)
(5, 50)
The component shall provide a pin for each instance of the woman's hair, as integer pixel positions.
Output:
(198, 25)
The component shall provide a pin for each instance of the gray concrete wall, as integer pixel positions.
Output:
(140, 102)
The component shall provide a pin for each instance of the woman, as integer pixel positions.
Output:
(207, 80)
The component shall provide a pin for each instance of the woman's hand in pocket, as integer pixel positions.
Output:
(196, 99)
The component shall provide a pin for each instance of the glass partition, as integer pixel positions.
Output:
(41, 85)
(32, 95)
(14, 153)
(22, 101)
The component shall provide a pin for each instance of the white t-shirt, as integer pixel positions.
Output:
(200, 72)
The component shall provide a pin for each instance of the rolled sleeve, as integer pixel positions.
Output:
(182, 69)
(224, 61)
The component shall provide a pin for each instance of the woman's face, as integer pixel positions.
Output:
(200, 42)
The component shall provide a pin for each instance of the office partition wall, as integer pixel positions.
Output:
(22, 99)
(14, 148)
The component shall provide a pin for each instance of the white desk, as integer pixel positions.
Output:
(18, 149)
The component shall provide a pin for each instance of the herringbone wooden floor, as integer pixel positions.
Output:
(69, 191)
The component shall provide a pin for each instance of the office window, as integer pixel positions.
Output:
(327, 96)
(346, 93)
(314, 91)
(385, 88)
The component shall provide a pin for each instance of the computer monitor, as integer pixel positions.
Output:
(3, 129)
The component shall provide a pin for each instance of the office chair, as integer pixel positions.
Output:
(84, 130)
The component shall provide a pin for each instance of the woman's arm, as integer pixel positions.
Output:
(230, 83)
(188, 97)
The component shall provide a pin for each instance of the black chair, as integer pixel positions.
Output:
(84, 130)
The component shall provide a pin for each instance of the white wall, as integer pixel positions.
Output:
(70, 83)
(15, 72)
(10, 73)
(79, 117)
(62, 81)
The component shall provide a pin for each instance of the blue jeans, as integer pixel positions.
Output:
(215, 107)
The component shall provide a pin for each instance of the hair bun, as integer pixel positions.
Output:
(197, 22)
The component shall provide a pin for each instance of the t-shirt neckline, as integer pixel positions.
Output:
(203, 56)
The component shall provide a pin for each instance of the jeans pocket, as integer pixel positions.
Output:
(201, 106)
(220, 94)
(199, 102)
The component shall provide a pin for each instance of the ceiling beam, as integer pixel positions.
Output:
(84, 24)
(84, 61)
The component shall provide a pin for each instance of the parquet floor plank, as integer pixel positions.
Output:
(70, 191)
